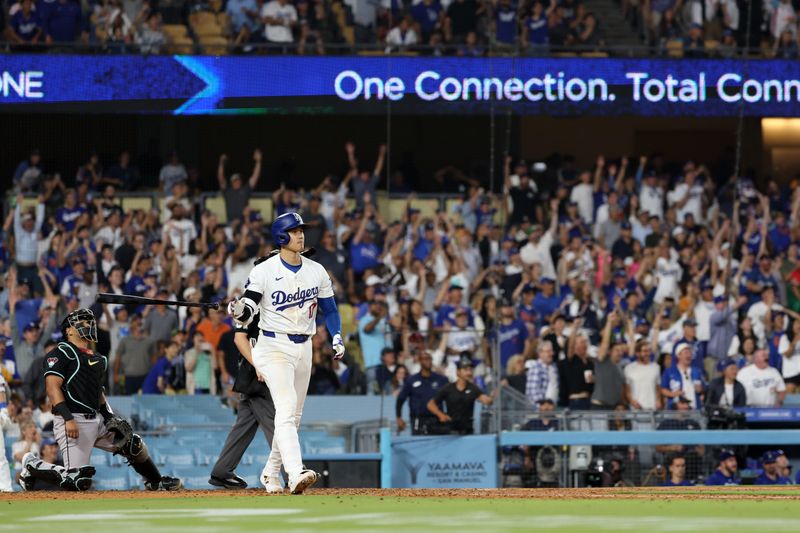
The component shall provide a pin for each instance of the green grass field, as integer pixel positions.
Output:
(256, 512)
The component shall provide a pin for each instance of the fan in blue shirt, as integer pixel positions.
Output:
(546, 302)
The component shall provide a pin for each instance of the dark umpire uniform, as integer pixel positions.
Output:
(418, 390)
(256, 409)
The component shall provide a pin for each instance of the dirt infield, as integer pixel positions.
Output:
(646, 493)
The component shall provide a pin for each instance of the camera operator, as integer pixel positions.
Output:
(725, 390)
(460, 398)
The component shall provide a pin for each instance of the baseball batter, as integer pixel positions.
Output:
(74, 377)
(287, 289)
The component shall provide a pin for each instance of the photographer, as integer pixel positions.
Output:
(724, 390)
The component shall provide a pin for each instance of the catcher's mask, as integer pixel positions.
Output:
(84, 323)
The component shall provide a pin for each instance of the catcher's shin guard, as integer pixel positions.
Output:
(138, 457)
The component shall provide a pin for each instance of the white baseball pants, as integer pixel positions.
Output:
(91, 434)
(286, 367)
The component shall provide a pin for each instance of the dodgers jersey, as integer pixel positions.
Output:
(289, 299)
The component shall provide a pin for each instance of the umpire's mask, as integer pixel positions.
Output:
(84, 323)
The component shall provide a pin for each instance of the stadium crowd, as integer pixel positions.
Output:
(450, 27)
(633, 284)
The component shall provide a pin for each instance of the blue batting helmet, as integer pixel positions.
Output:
(282, 225)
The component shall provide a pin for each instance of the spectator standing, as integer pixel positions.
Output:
(461, 19)
(30, 345)
(459, 398)
(535, 38)
(576, 372)
(609, 388)
(237, 195)
(171, 173)
(643, 378)
(372, 329)
(725, 474)
(26, 26)
(419, 389)
(542, 378)
(428, 15)
(135, 354)
(244, 19)
(723, 327)
(790, 367)
(505, 25)
(28, 172)
(682, 379)
(365, 184)
(200, 367)
(160, 322)
(315, 224)
(157, 380)
(763, 384)
(26, 233)
(725, 390)
(697, 346)
(64, 23)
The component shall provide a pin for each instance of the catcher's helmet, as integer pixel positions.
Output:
(282, 225)
(83, 321)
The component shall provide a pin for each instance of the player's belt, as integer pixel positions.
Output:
(297, 339)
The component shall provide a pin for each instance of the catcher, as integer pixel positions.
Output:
(74, 377)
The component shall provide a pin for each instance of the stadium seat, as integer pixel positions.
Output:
(129, 203)
(792, 400)
(216, 204)
(675, 48)
(194, 477)
(177, 458)
(175, 31)
(187, 419)
(99, 458)
(213, 43)
(112, 478)
(264, 206)
(251, 474)
(327, 445)
(181, 45)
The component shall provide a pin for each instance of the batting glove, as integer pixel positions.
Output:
(338, 347)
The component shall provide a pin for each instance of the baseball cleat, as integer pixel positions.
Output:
(273, 485)
(78, 479)
(305, 479)
(231, 482)
(27, 459)
(166, 483)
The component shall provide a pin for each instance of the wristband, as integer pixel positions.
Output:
(3, 405)
(63, 411)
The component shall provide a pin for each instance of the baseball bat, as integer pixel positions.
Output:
(110, 298)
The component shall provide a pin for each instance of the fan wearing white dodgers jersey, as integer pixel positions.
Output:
(288, 288)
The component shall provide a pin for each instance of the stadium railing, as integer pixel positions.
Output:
(218, 47)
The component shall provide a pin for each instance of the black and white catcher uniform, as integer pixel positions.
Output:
(74, 377)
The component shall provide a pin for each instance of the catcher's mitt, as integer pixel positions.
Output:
(122, 430)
